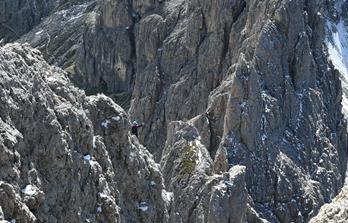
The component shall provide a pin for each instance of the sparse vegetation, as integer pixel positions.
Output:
(188, 161)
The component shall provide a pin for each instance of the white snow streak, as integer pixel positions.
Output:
(143, 206)
(105, 123)
(117, 118)
(167, 196)
(337, 44)
(94, 140)
(87, 157)
(29, 190)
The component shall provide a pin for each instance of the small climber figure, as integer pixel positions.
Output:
(135, 127)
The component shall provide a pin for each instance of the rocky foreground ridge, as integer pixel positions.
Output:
(242, 112)
(336, 211)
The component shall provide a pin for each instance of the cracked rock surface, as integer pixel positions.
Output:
(336, 211)
(252, 76)
(66, 157)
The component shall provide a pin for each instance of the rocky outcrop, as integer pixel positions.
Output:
(198, 195)
(66, 157)
(336, 211)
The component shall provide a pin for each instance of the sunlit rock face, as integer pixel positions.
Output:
(336, 211)
(68, 157)
(337, 43)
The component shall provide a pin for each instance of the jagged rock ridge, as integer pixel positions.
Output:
(66, 157)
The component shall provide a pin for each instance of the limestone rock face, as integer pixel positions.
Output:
(252, 76)
(198, 195)
(66, 157)
(336, 211)
(59, 35)
(107, 53)
(18, 17)
(240, 104)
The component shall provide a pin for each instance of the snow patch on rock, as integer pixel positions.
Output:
(117, 118)
(143, 207)
(87, 157)
(94, 144)
(29, 190)
(105, 123)
(167, 196)
(337, 44)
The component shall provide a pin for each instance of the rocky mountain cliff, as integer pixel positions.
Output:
(66, 157)
(241, 101)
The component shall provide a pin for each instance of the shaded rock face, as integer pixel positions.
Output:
(66, 157)
(252, 76)
(106, 57)
(19, 16)
(59, 35)
(151, 42)
(55, 27)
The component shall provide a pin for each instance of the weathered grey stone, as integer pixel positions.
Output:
(107, 52)
(336, 211)
(66, 157)
(18, 17)
(218, 85)
(198, 195)
(59, 35)
(254, 79)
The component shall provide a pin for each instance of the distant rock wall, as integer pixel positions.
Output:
(252, 76)
(59, 35)
(19, 16)
(107, 54)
